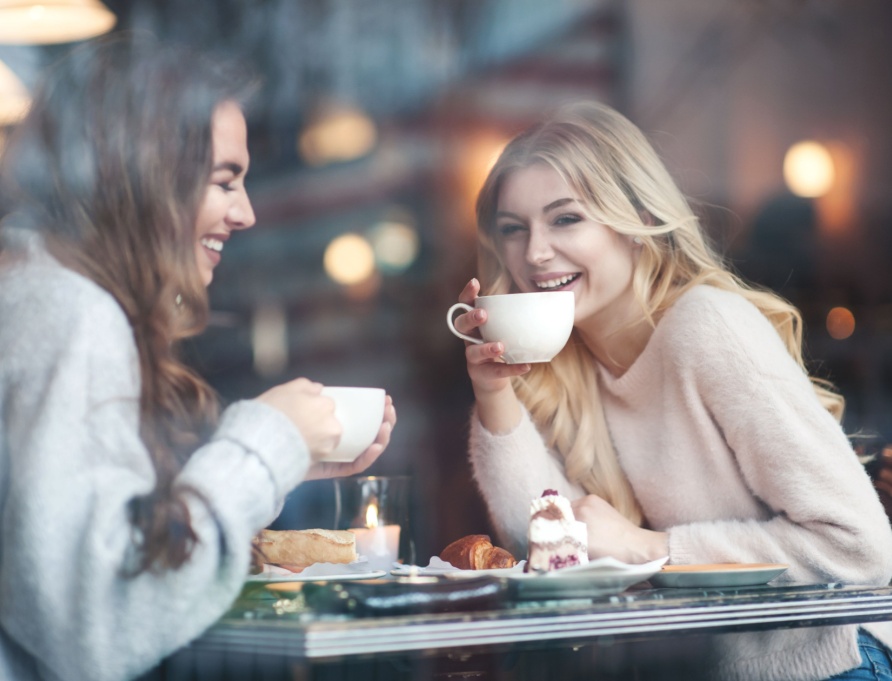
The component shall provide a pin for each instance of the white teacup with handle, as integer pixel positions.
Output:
(533, 327)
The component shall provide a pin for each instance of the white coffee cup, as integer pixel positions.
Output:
(533, 327)
(360, 412)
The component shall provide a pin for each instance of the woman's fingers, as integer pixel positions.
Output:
(470, 292)
(389, 411)
(485, 352)
(467, 322)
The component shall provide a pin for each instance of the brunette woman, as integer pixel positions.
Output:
(127, 501)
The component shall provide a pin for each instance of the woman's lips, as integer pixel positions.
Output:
(213, 247)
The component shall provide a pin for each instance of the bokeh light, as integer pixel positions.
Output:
(840, 323)
(338, 134)
(395, 245)
(59, 21)
(269, 339)
(809, 170)
(349, 259)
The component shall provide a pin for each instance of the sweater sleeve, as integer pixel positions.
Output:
(822, 516)
(511, 470)
(71, 393)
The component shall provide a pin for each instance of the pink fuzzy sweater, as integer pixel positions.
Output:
(728, 451)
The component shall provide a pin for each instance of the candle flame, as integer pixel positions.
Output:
(371, 516)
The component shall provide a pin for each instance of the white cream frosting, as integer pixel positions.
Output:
(545, 530)
(562, 503)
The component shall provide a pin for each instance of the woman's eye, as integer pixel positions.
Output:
(508, 229)
(225, 186)
(567, 219)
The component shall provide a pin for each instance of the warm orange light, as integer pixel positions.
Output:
(371, 515)
(58, 21)
(840, 323)
(349, 259)
(809, 170)
(838, 208)
(480, 154)
(337, 134)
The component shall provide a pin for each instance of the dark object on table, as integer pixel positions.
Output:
(405, 596)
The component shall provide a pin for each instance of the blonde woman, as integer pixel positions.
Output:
(679, 418)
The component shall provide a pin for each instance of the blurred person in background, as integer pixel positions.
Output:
(679, 418)
(127, 499)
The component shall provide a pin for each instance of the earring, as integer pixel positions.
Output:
(636, 239)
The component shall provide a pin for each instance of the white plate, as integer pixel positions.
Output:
(717, 575)
(280, 581)
(319, 572)
(437, 567)
(601, 577)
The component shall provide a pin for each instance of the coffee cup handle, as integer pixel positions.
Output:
(452, 311)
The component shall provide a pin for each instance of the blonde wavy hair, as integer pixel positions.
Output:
(622, 183)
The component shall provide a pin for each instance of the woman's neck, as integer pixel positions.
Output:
(617, 349)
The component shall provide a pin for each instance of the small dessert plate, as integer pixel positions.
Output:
(717, 575)
(602, 577)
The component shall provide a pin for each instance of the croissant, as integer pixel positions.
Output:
(476, 552)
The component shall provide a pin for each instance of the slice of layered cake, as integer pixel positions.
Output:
(555, 538)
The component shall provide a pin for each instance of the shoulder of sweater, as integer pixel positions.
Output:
(710, 321)
(709, 309)
(41, 298)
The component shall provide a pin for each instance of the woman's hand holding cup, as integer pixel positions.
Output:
(314, 414)
(488, 371)
(333, 469)
(302, 401)
(497, 405)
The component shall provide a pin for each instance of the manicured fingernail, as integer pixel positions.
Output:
(478, 315)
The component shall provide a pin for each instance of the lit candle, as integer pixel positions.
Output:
(379, 543)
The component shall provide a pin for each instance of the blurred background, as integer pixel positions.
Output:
(378, 120)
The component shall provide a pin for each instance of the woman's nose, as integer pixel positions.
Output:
(241, 213)
(539, 248)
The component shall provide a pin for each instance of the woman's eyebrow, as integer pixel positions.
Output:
(234, 168)
(550, 207)
(507, 214)
(557, 204)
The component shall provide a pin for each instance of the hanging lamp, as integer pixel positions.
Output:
(14, 99)
(32, 22)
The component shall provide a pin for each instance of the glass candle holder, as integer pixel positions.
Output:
(376, 510)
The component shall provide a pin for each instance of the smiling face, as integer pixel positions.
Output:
(225, 207)
(547, 243)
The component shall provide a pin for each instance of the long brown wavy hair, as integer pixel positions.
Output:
(110, 166)
(622, 183)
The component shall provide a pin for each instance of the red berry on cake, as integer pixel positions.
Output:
(555, 538)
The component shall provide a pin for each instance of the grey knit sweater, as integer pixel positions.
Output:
(728, 450)
(71, 460)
